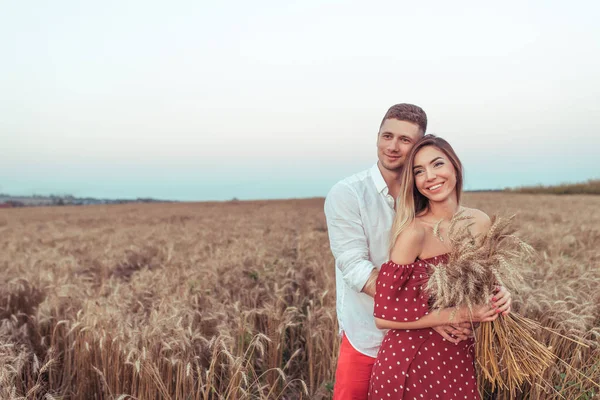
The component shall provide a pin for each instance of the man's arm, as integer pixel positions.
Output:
(371, 284)
(348, 239)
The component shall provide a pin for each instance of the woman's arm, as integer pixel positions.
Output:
(445, 316)
(406, 250)
(430, 320)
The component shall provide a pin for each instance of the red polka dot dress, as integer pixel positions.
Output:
(418, 363)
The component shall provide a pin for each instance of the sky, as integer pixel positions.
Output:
(207, 100)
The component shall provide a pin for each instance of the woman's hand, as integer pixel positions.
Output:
(478, 313)
(502, 300)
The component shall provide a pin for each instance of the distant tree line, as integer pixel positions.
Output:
(12, 203)
(592, 186)
(8, 201)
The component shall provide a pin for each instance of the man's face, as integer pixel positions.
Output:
(394, 141)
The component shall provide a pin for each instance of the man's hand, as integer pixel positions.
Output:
(455, 333)
(371, 284)
(502, 300)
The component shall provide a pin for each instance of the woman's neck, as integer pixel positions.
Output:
(443, 210)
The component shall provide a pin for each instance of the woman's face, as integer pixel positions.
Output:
(435, 176)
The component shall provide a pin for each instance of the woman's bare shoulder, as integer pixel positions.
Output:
(481, 221)
(409, 244)
(416, 229)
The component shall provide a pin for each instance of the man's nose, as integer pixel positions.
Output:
(396, 145)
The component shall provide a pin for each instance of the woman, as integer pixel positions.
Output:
(414, 362)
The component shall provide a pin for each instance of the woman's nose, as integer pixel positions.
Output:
(430, 175)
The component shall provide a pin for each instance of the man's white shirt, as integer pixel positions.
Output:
(360, 213)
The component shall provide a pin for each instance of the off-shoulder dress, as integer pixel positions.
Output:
(417, 363)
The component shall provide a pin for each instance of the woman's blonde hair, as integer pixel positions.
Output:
(410, 201)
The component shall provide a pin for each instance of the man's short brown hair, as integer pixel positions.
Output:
(407, 112)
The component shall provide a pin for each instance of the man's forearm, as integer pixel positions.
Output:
(370, 285)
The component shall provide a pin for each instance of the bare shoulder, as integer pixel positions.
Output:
(415, 231)
(481, 221)
(409, 244)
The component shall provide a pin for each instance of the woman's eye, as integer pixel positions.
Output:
(437, 164)
(418, 172)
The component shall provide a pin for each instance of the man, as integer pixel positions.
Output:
(360, 213)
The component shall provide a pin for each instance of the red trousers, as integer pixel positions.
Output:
(353, 373)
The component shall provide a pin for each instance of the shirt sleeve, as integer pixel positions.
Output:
(347, 236)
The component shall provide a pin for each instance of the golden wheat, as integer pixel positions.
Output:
(237, 300)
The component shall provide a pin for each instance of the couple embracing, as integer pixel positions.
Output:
(384, 229)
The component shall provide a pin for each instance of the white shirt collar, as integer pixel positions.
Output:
(378, 180)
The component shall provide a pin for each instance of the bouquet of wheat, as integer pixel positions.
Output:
(506, 351)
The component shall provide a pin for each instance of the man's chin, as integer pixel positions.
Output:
(395, 167)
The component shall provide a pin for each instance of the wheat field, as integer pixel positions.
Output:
(236, 300)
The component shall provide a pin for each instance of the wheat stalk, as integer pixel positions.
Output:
(507, 352)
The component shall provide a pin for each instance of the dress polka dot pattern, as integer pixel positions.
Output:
(417, 363)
